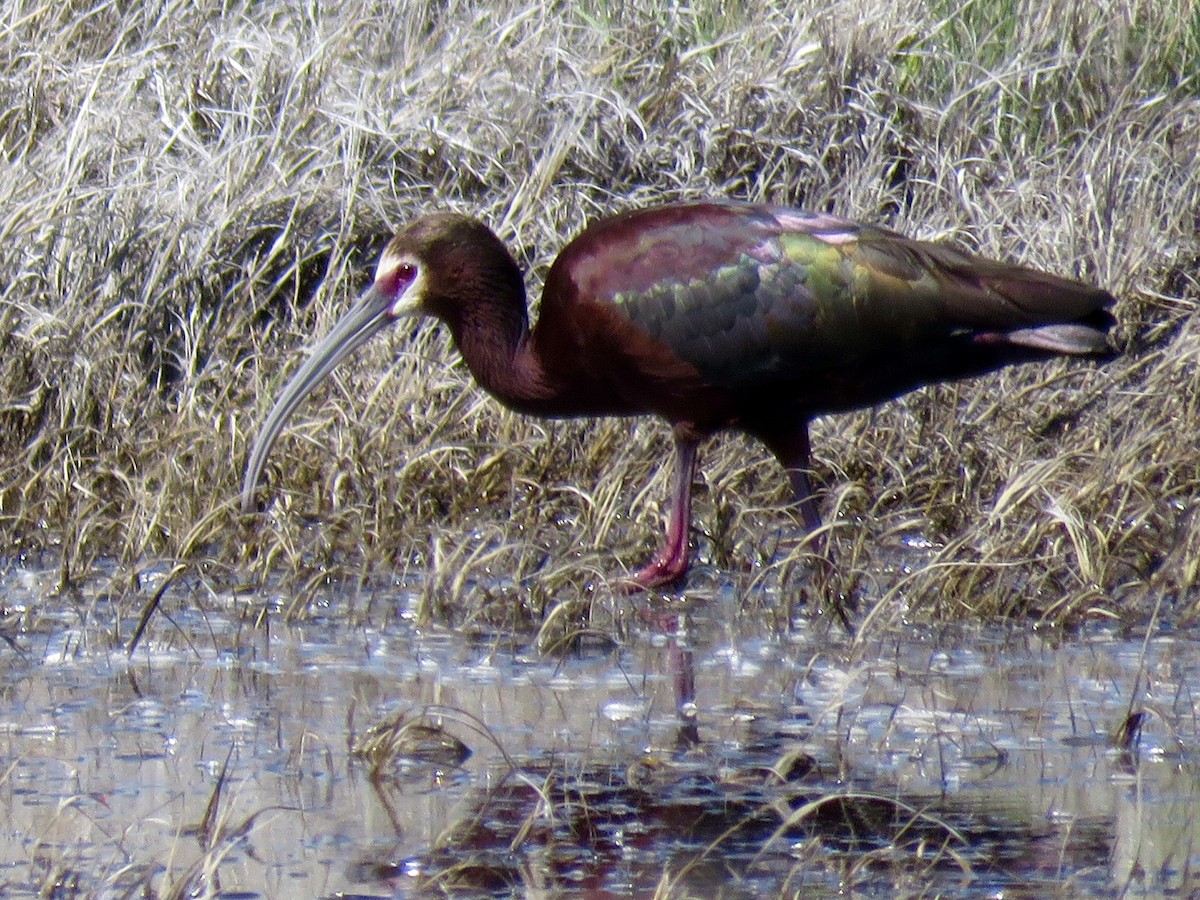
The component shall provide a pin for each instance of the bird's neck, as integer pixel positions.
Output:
(497, 346)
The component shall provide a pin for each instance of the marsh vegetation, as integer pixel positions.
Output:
(190, 193)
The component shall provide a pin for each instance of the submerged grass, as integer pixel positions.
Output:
(190, 192)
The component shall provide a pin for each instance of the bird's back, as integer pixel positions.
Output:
(763, 300)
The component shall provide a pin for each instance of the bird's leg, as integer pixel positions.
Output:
(793, 451)
(805, 499)
(671, 562)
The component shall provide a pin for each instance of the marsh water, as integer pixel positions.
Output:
(708, 754)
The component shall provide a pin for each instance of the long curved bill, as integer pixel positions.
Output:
(367, 317)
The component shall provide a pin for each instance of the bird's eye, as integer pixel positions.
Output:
(395, 279)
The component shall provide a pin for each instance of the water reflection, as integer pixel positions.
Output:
(714, 756)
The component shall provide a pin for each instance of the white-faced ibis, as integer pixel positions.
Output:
(711, 315)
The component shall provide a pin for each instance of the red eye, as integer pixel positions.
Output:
(393, 281)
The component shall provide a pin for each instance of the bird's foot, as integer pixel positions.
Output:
(664, 569)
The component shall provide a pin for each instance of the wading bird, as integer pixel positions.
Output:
(712, 316)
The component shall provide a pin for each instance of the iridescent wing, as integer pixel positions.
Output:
(753, 295)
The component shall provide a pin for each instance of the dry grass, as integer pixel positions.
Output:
(190, 193)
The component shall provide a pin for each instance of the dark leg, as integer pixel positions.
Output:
(671, 562)
(792, 450)
(804, 498)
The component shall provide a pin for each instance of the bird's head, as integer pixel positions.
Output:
(426, 269)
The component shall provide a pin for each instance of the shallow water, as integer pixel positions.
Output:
(960, 762)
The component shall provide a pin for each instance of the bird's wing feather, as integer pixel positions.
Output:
(749, 294)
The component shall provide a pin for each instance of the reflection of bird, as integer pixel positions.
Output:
(711, 315)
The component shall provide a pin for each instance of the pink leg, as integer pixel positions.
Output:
(671, 562)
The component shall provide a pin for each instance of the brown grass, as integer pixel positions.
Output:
(190, 194)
